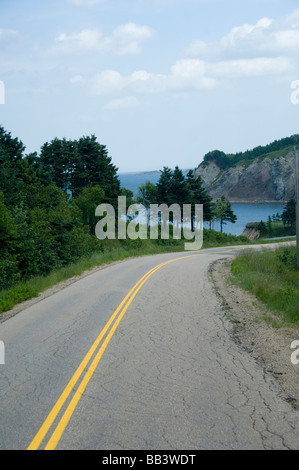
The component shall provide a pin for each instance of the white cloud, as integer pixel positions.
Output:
(86, 39)
(124, 39)
(189, 74)
(257, 67)
(122, 103)
(269, 47)
(109, 81)
(286, 40)
(188, 68)
(265, 38)
(264, 49)
(185, 74)
(241, 40)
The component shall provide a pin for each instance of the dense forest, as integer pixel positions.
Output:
(48, 202)
(224, 160)
(175, 187)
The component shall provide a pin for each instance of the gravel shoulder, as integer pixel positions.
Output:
(268, 345)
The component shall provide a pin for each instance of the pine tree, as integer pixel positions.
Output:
(289, 214)
(56, 160)
(9, 272)
(87, 201)
(179, 188)
(223, 212)
(164, 187)
(11, 168)
(147, 194)
(199, 195)
(75, 165)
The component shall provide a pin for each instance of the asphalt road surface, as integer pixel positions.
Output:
(137, 358)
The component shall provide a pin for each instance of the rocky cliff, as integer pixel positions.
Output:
(259, 180)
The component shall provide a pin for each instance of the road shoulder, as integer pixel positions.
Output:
(269, 346)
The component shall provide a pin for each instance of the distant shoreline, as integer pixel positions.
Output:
(257, 202)
(139, 173)
(153, 172)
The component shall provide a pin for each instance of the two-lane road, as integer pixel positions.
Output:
(137, 356)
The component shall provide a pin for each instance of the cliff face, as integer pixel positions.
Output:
(268, 180)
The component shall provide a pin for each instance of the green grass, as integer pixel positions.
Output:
(273, 278)
(14, 295)
(111, 251)
(211, 239)
(276, 229)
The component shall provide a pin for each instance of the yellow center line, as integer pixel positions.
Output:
(57, 407)
(117, 316)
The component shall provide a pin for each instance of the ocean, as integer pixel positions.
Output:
(245, 212)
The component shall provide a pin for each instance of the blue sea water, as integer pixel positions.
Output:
(132, 181)
(245, 212)
(250, 213)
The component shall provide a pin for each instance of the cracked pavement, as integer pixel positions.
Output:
(172, 377)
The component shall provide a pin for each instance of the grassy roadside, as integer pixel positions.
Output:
(110, 251)
(273, 278)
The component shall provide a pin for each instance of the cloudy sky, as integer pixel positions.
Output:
(159, 82)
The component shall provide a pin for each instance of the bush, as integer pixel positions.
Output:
(213, 238)
(288, 257)
(9, 273)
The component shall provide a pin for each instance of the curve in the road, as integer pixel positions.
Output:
(97, 350)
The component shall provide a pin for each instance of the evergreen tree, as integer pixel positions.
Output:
(9, 272)
(180, 193)
(88, 200)
(129, 195)
(147, 194)
(95, 167)
(164, 187)
(56, 162)
(11, 168)
(220, 158)
(223, 212)
(262, 228)
(198, 195)
(41, 226)
(75, 165)
(289, 214)
(13, 146)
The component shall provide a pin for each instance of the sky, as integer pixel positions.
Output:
(159, 82)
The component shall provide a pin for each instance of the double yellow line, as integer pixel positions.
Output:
(96, 350)
(112, 325)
